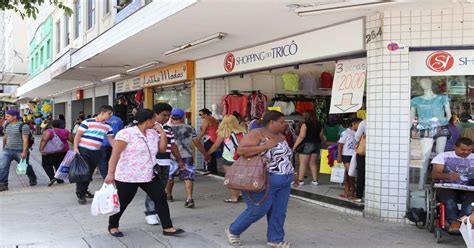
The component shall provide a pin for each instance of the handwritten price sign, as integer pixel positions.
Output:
(348, 86)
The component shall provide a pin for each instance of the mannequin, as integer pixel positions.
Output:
(433, 113)
(214, 112)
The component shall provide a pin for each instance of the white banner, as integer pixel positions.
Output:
(442, 63)
(132, 84)
(314, 45)
(348, 86)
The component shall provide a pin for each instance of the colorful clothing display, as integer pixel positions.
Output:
(258, 105)
(291, 81)
(237, 103)
(429, 109)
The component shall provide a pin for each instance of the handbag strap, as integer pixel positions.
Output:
(148, 148)
(263, 198)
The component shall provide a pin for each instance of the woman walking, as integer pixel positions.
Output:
(209, 136)
(308, 146)
(229, 132)
(51, 161)
(269, 141)
(131, 166)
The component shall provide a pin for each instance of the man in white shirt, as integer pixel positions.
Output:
(455, 167)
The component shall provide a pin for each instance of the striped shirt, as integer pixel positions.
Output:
(94, 134)
(165, 158)
(14, 137)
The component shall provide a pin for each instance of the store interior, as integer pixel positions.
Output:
(313, 93)
(177, 95)
(455, 113)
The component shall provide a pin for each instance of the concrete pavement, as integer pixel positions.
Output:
(44, 216)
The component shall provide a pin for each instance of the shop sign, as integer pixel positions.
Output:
(132, 84)
(305, 47)
(442, 63)
(348, 86)
(171, 74)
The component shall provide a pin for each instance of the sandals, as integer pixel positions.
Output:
(234, 240)
(283, 244)
(115, 234)
(343, 195)
(175, 233)
(230, 201)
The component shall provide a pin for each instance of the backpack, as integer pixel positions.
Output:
(417, 215)
(31, 139)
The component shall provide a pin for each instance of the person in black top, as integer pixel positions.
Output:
(308, 146)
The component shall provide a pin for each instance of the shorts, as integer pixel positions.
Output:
(442, 131)
(346, 159)
(309, 148)
(189, 173)
(227, 162)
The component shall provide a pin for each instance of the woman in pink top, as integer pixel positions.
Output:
(53, 160)
(209, 136)
(131, 166)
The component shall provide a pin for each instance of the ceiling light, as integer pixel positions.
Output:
(302, 11)
(202, 41)
(144, 67)
(113, 78)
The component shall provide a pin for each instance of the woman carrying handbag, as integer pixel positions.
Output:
(53, 147)
(269, 143)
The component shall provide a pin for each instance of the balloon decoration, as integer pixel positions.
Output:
(40, 108)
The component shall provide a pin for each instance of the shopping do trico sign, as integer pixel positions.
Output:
(438, 63)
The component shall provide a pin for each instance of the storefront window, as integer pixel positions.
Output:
(176, 96)
(441, 109)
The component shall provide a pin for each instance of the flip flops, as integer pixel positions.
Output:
(234, 240)
(230, 201)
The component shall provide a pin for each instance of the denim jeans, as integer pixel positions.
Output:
(105, 153)
(274, 207)
(163, 178)
(9, 155)
(451, 198)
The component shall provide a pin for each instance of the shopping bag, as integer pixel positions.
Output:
(337, 173)
(353, 166)
(324, 165)
(466, 232)
(105, 201)
(63, 171)
(79, 170)
(21, 167)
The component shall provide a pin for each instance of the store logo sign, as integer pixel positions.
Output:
(440, 61)
(229, 62)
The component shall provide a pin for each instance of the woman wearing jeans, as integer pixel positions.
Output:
(269, 141)
(131, 166)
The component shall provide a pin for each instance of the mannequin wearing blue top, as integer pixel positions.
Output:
(433, 113)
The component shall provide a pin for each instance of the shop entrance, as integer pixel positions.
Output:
(291, 90)
(81, 105)
(59, 109)
(176, 95)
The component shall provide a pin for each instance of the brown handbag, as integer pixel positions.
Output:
(361, 148)
(248, 175)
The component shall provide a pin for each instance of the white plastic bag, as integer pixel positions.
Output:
(21, 167)
(353, 166)
(105, 201)
(337, 173)
(466, 232)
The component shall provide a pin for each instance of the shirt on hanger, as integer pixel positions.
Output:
(236, 103)
(258, 105)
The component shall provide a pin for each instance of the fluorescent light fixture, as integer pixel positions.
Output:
(202, 41)
(325, 8)
(143, 67)
(113, 78)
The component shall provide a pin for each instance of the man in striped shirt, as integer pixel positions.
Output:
(87, 142)
(163, 112)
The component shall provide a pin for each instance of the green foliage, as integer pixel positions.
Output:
(29, 8)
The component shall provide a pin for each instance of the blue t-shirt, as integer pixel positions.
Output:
(427, 109)
(117, 124)
(38, 121)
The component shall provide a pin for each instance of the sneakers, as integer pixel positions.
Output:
(33, 182)
(89, 194)
(315, 183)
(152, 220)
(189, 203)
(3, 187)
(169, 198)
(81, 200)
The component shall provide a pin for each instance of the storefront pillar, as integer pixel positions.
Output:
(148, 97)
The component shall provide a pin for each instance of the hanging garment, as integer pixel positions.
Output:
(291, 81)
(236, 103)
(302, 106)
(258, 105)
(326, 80)
(287, 108)
(308, 82)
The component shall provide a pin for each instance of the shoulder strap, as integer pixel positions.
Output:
(21, 127)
